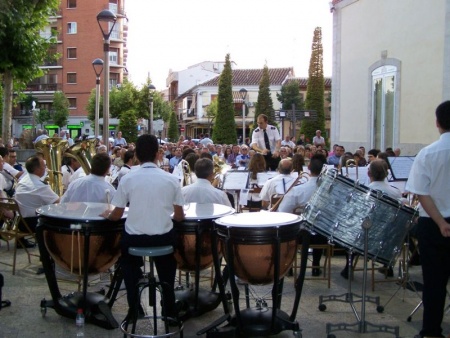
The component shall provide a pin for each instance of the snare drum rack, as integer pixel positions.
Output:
(361, 325)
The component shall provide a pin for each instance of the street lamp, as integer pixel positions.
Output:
(282, 117)
(33, 110)
(106, 21)
(243, 93)
(97, 64)
(151, 90)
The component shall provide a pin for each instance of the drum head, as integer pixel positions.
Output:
(194, 211)
(258, 219)
(76, 211)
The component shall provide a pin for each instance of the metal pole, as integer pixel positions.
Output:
(243, 122)
(294, 122)
(150, 122)
(97, 107)
(106, 96)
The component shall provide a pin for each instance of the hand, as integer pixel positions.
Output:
(105, 213)
(275, 154)
(445, 229)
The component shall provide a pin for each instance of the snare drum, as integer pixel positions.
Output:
(252, 241)
(196, 230)
(339, 207)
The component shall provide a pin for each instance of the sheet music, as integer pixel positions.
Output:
(262, 178)
(401, 166)
(363, 177)
(235, 180)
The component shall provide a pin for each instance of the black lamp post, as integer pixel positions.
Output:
(97, 64)
(282, 117)
(243, 93)
(151, 90)
(106, 21)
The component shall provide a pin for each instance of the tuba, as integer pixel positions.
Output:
(220, 168)
(83, 152)
(186, 171)
(52, 149)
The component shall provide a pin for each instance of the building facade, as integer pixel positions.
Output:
(391, 68)
(79, 42)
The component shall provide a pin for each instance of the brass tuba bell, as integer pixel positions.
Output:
(52, 149)
(83, 152)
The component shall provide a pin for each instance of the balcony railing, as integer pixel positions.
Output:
(44, 87)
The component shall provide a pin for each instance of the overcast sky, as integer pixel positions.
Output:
(175, 34)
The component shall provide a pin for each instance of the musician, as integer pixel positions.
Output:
(266, 140)
(10, 174)
(299, 196)
(377, 172)
(429, 179)
(12, 160)
(279, 184)
(93, 187)
(202, 190)
(153, 195)
(68, 170)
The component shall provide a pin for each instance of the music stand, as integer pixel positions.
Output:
(400, 167)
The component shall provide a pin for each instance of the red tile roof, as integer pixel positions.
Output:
(252, 77)
(303, 81)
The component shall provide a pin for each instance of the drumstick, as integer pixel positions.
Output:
(276, 205)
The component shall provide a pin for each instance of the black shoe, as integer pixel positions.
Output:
(40, 271)
(25, 243)
(344, 273)
(316, 272)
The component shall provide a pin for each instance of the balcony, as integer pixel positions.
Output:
(43, 87)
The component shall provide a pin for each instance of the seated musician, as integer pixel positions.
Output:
(202, 190)
(279, 184)
(153, 195)
(68, 170)
(93, 187)
(299, 196)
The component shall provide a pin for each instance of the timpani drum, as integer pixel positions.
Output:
(339, 208)
(79, 240)
(253, 238)
(193, 248)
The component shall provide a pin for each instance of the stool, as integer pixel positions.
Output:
(153, 285)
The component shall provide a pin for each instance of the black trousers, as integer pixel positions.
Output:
(435, 258)
(165, 266)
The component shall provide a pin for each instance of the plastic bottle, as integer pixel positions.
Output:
(79, 321)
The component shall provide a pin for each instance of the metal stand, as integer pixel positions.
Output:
(361, 325)
(404, 279)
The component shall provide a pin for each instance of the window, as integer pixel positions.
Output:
(71, 53)
(72, 78)
(71, 3)
(384, 97)
(71, 28)
(113, 80)
(72, 102)
(113, 56)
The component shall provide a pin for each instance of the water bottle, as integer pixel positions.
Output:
(79, 321)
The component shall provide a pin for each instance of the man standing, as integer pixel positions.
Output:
(93, 187)
(429, 179)
(119, 140)
(202, 190)
(267, 141)
(152, 195)
(318, 140)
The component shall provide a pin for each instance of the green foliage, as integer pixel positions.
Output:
(289, 95)
(315, 90)
(264, 104)
(22, 48)
(42, 117)
(211, 113)
(122, 99)
(225, 127)
(60, 109)
(172, 132)
(128, 125)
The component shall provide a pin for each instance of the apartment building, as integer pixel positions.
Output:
(79, 42)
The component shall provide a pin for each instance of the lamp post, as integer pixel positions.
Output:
(33, 110)
(106, 21)
(243, 93)
(282, 117)
(97, 64)
(151, 89)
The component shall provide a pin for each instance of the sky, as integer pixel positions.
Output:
(176, 34)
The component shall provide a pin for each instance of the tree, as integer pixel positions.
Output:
(211, 113)
(264, 104)
(22, 47)
(60, 109)
(42, 117)
(316, 87)
(172, 132)
(128, 125)
(290, 95)
(224, 131)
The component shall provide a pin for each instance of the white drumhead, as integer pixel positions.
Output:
(195, 211)
(258, 219)
(76, 211)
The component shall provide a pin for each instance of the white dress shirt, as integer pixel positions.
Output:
(298, 196)
(203, 192)
(90, 188)
(272, 133)
(277, 185)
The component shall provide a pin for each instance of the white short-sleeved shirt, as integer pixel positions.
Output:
(386, 188)
(203, 192)
(430, 175)
(9, 173)
(32, 193)
(277, 185)
(298, 196)
(151, 194)
(67, 173)
(90, 188)
(77, 174)
(272, 133)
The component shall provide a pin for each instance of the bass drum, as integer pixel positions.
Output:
(251, 243)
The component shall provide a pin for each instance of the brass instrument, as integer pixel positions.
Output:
(351, 163)
(187, 174)
(83, 152)
(52, 149)
(220, 168)
(297, 181)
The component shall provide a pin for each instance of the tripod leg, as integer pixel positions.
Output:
(414, 311)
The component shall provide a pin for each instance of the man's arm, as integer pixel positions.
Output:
(113, 215)
(428, 205)
(178, 214)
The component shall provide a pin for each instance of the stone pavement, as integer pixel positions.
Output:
(26, 290)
